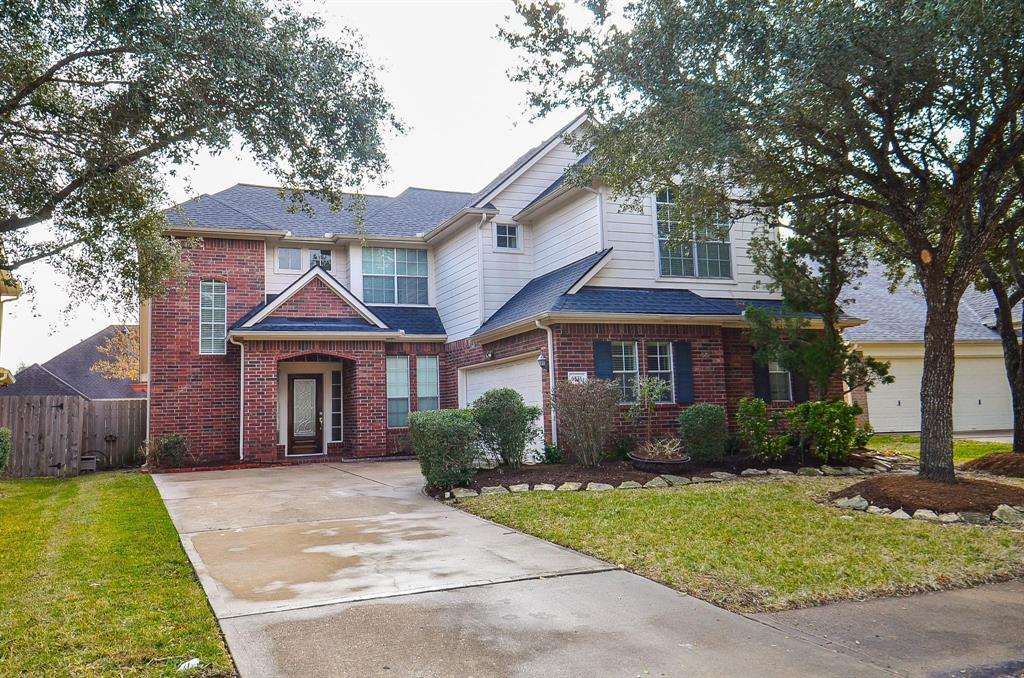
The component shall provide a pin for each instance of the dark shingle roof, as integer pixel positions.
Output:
(540, 294)
(411, 319)
(556, 184)
(261, 208)
(278, 324)
(642, 300)
(73, 368)
(37, 380)
(900, 315)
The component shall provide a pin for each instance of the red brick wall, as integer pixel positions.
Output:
(315, 300)
(398, 438)
(197, 395)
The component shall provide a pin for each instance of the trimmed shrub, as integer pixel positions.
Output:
(168, 451)
(506, 424)
(5, 447)
(552, 454)
(755, 426)
(704, 431)
(445, 442)
(826, 429)
(586, 417)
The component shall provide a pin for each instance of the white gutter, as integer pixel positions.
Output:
(241, 398)
(455, 218)
(551, 379)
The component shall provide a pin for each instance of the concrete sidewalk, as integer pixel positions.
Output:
(348, 569)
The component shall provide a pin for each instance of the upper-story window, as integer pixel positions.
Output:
(289, 258)
(213, 305)
(507, 237)
(394, 276)
(321, 258)
(705, 257)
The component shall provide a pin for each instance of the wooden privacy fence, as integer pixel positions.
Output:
(49, 434)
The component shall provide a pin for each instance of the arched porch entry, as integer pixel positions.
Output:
(312, 390)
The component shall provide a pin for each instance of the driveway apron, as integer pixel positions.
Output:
(350, 570)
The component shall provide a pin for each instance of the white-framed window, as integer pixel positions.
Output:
(394, 276)
(659, 365)
(428, 383)
(321, 258)
(706, 256)
(780, 382)
(507, 237)
(289, 258)
(336, 432)
(398, 390)
(213, 320)
(625, 369)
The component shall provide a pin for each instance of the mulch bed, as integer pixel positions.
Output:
(911, 493)
(611, 472)
(1002, 463)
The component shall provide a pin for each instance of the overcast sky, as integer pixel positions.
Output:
(445, 72)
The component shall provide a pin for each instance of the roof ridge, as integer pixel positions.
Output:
(304, 190)
(436, 190)
(63, 380)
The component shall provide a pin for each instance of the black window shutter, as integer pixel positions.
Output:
(762, 387)
(603, 360)
(682, 359)
(801, 388)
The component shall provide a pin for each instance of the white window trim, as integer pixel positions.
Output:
(731, 280)
(636, 361)
(671, 370)
(789, 379)
(225, 330)
(509, 250)
(341, 404)
(388, 397)
(394, 276)
(437, 380)
(277, 260)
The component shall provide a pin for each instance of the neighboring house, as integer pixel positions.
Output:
(70, 373)
(297, 336)
(895, 332)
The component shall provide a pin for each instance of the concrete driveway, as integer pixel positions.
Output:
(349, 570)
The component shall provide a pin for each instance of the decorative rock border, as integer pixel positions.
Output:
(1004, 515)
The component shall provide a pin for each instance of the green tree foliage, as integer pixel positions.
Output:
(101, 101)
(905, 114)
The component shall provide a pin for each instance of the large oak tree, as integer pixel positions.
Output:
(100, 100)
(909, 110)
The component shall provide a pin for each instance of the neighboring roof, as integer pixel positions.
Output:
(73, 368)
(899, 316)
(541, 293)
(37, 380)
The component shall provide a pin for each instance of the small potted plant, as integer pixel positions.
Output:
(664, 455)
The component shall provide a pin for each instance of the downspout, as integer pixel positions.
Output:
(241, 398)
(551, 379)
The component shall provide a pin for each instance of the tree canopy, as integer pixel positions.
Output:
(906, 114)
(101, 101)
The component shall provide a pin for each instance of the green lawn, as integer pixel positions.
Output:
(963, 450)
(94, 582)
(756, 546)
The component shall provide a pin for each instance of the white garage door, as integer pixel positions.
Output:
(522, 375)
(981, 397)
(897, 406)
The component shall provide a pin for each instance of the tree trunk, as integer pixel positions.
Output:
(937, 387)
(1013, 360)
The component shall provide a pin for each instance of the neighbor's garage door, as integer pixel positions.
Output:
(897, 406)
(981, 397)
(522, 375)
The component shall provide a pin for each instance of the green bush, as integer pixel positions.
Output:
(5, 447)
(169, 451)
(506, 424)
(621, 445)
(704, 432)
(863, 435)
(756, 425)
(552, 454)
(445, 442)
(826, 429)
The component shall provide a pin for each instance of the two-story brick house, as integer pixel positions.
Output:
(297, 335)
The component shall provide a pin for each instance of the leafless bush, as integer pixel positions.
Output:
(586, 417)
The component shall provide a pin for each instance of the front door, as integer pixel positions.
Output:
(305, 414)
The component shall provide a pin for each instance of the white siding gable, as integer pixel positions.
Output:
(456, 272)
